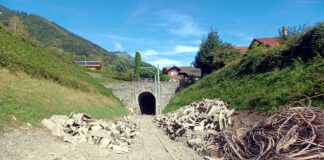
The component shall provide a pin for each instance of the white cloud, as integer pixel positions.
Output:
(180, 24)
(149, 54)
(156, 57)
(177, 50)
(130, 39)
(164, 62)
(118, 46)
(185, 49)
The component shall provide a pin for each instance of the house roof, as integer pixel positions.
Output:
(243, 49)
(188, 70)
(174, 67)
(269, 42)
(88, 63)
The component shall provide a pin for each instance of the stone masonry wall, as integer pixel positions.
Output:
(128, 92)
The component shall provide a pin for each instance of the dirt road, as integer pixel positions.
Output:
(151, 144)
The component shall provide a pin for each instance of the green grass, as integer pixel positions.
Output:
(35, 84)
(106, 76)
(267, 80)
(267, 91)
(31, 100)
(21, 54)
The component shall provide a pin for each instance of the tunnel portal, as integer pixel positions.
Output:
(147, 103)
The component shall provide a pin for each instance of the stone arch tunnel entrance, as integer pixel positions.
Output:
(147, 103)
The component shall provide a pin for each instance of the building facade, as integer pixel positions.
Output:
(182, 73)
(93, 65)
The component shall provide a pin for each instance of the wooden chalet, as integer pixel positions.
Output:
(180, 73)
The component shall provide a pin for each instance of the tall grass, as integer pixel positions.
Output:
(30, 100)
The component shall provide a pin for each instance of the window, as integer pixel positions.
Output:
(173, 73)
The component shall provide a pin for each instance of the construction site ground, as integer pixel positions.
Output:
(37, 144)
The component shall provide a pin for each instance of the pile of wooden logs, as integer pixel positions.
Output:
(190, 123)
(81, 128)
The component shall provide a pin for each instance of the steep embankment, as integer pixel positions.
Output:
(268, 80)
(34, 83)
(51, 34)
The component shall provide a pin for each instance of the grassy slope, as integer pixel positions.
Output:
(267, 80)
(58, 81)
(51, 34)
(21, 54)
(30, 99)
(105, 76)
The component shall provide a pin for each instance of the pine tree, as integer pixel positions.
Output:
(138, 62)
(213, 54)
(204, 59)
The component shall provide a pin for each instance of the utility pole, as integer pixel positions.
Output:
(156, 91)
(159, 88)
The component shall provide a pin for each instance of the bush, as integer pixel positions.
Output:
(165, 78)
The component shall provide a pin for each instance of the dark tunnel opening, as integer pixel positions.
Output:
(146, 102)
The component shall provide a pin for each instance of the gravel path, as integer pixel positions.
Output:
(36, 144)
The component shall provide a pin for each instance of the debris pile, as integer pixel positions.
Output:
(296, 133)
(191, 122)
(81, 128)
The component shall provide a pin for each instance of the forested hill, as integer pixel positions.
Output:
(51, 34)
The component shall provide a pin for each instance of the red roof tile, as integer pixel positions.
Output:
(270, 42)
(190, 71)
(243, 49)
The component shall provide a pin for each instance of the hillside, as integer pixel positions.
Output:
(51, 34)
(35, 83)
(267, 80)
(124, 55)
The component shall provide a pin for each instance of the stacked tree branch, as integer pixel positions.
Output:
(296, 133)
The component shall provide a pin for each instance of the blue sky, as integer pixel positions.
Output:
(168, 32)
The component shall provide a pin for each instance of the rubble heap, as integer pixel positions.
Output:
(191, 122)
(81, 128)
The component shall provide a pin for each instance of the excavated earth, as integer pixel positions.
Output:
(39, 144)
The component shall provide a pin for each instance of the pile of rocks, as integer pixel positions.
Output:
(81, 128)
(190, 123)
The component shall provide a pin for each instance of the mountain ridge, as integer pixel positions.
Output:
(51, 34)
